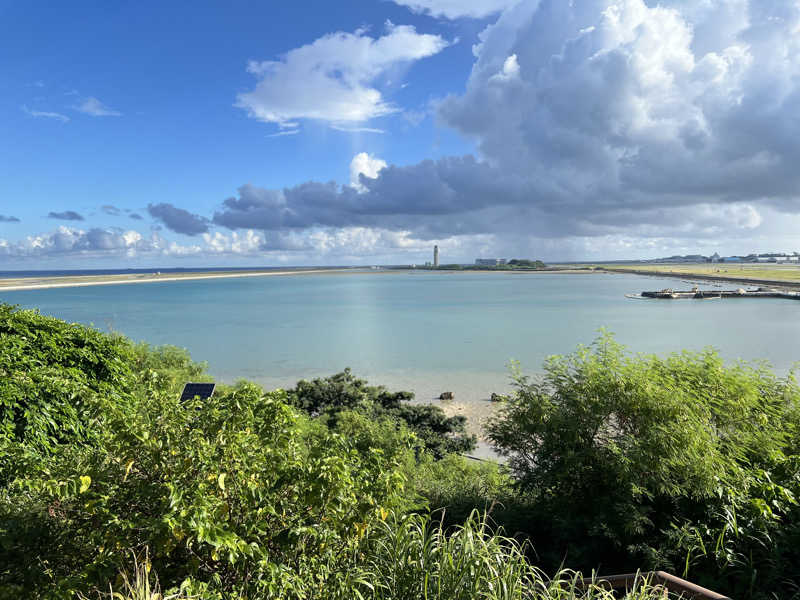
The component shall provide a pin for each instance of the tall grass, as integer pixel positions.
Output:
(413, 557)
(141, 584)
(416, 558)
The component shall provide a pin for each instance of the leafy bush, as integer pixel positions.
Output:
(343, 391)
(456, 486)
(226, 495)
(48, 371)
(681, 463)
(411, 557)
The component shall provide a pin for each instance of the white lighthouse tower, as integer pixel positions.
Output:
(436, 256)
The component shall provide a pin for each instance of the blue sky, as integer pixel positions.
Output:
(491, 127)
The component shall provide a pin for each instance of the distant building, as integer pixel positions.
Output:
(490, 262)
(715, 258)
(436, 256)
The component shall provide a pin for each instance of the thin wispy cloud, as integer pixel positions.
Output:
(8, 219)
(357, 129)
(458, 9)
(284, 132)
(44, 114)
(92, 106)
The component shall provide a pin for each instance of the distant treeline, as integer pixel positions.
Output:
(515, 264)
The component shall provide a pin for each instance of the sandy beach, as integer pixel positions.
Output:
(42, 283)
(64, 281)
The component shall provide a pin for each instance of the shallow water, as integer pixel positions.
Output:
(423, 331)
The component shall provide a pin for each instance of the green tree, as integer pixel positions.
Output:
(48, 371)
(679, 462)
(329, 396)
(225, 495)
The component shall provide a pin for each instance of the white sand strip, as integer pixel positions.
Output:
(101, 279)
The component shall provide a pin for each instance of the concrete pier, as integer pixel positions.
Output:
(698, 294)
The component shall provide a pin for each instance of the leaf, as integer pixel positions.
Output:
(221, 481)
(128, 469)
(86, 481)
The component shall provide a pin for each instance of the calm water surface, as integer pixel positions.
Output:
(422, 331)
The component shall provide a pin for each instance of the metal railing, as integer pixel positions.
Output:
(670, 583)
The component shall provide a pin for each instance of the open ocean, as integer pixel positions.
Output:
(423, 331)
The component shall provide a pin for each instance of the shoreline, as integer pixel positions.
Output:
(65, 281)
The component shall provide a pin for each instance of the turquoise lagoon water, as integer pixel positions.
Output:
(422, 331)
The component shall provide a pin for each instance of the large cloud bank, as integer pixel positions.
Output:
(603, 129)
(593, 119)
(622, 109)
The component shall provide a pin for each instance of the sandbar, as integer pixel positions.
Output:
(63, 281)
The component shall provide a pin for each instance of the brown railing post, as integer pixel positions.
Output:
(670, 583)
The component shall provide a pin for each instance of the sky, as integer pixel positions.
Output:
(326, 133)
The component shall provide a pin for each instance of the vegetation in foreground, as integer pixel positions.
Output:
(333, 489)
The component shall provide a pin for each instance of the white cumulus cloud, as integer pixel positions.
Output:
(455, 9)
(366, 165)
(333, 79)
(628, 109)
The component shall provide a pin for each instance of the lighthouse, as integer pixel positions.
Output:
(436, 256)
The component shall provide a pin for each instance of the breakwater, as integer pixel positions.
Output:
(698, 294)
(702, 276)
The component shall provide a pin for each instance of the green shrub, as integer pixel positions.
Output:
(225, 494)
(48, 371)
(681, 463)
(343, 391)
(409, 557)
(457, 486)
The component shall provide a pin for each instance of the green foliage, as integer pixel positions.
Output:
(456, 486)
(412, 557)
(515, 264)
(681, 463)
(526, 263)
(141, 585)
(408, 557)
(343, 391)
(226, 495)
(329, 396)
(172, 366)
(48, 371)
